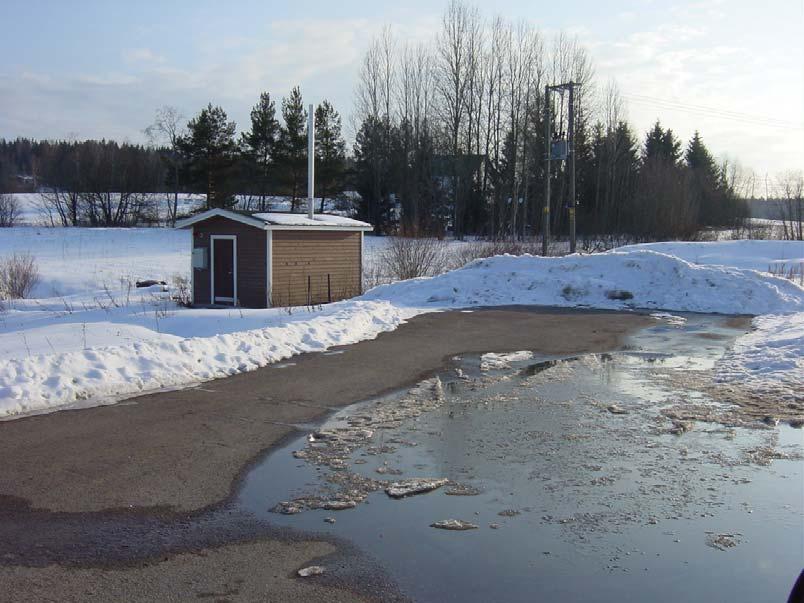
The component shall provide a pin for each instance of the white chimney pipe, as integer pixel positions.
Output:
(310, 162)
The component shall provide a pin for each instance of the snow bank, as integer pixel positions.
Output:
(105, 374)
(613, 280)
(142, 346)
(770, 359)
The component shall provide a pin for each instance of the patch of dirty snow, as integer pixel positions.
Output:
(670, 319)
(492, 361)
(770, 359)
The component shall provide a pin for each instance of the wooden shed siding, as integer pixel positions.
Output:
(298, 255)
(252, 277)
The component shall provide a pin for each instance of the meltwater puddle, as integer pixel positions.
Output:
(601, 477)
(581, 476)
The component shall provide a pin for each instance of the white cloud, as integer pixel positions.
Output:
(691, 57)
(322, 56)
(703, 66)
(142, 55)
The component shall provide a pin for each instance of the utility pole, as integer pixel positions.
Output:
(547, 143)
(571, 137)
(567, 152)
(310, 162)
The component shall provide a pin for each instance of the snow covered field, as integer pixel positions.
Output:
(86, 260)
(752, 255)
(33, 206)
(88, 337)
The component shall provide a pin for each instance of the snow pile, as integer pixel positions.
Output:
(770, 359)
(104, 374)
(101, 345)
(613, 280)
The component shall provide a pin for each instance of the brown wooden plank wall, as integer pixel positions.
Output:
(299, 254)
(252, 279)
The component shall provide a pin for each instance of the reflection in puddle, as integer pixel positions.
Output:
(580, 482)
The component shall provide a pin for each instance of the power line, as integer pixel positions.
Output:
(712, 112)
(711, 109)
(717, 115)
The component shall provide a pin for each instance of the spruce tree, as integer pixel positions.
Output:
(330, 151)
(292, 148)
(372, 177)
(705, 182)
(211, 152)
(261, 143)
(662, 144)
(698, 156)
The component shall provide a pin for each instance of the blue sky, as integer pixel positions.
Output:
(100, 69)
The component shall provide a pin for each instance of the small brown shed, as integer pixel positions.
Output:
(274, 259)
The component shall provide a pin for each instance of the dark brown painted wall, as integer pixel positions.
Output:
(252, 276)
(299, 254)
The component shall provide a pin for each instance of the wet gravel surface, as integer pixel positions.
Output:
(590, 477)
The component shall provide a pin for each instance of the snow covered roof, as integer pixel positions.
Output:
(286, 219)
(280, 221)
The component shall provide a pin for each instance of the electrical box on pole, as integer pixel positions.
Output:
(559, 149)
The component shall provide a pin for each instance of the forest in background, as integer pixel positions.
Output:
(450, 138)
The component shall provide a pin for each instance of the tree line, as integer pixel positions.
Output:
(270, 158)
(103, 183)
(451, 137)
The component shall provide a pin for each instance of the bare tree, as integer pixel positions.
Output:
(791, 205)
(9, 210)
(493, 93)
(414, 86)
(375, 86)
(524, 54)
(613, 114)
(569, 62)
(168, 129)
(19, 275)
(367, 91)
(454, 49)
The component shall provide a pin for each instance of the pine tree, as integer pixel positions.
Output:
(292, 148)
(261, 142)
(211, 152)
(330, 152)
